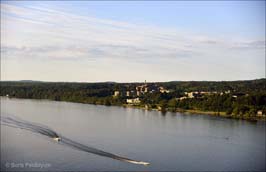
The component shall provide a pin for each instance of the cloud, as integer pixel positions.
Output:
(37, 33)
(51, 33)
(250, 45)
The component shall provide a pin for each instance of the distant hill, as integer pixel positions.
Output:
(28, 81)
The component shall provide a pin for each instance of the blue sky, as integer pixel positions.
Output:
(132, 41)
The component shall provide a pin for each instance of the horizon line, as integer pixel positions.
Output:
(119, 82)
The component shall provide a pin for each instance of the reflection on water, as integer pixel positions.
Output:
(170, 142)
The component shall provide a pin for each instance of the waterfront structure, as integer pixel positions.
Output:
(259, 113)
(133, 101)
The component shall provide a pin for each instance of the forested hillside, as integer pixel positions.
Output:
(235, 98)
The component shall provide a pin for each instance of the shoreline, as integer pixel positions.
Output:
(200, 112)
(184, 111)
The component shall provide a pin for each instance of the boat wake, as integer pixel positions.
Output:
(46, 131)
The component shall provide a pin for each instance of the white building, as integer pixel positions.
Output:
(133, 101)
(116, 93)
(181, 98)
(163, 90)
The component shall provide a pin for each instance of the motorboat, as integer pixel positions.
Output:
(57, 139)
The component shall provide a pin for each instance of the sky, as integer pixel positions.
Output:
(132, 41)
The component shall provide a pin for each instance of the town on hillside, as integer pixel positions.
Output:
(237, 99)
(137, 96)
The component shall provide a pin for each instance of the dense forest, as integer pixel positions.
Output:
(243, 98)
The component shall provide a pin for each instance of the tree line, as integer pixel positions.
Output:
(252, 100)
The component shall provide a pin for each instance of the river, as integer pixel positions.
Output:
(92, 134)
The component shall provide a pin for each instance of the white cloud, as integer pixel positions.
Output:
(38, 33)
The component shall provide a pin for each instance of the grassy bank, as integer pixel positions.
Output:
(201, 112)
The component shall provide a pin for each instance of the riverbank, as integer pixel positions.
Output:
(184, 111)
(200, 112)
(223, 115)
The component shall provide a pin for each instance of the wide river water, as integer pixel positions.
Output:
(169, 142)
